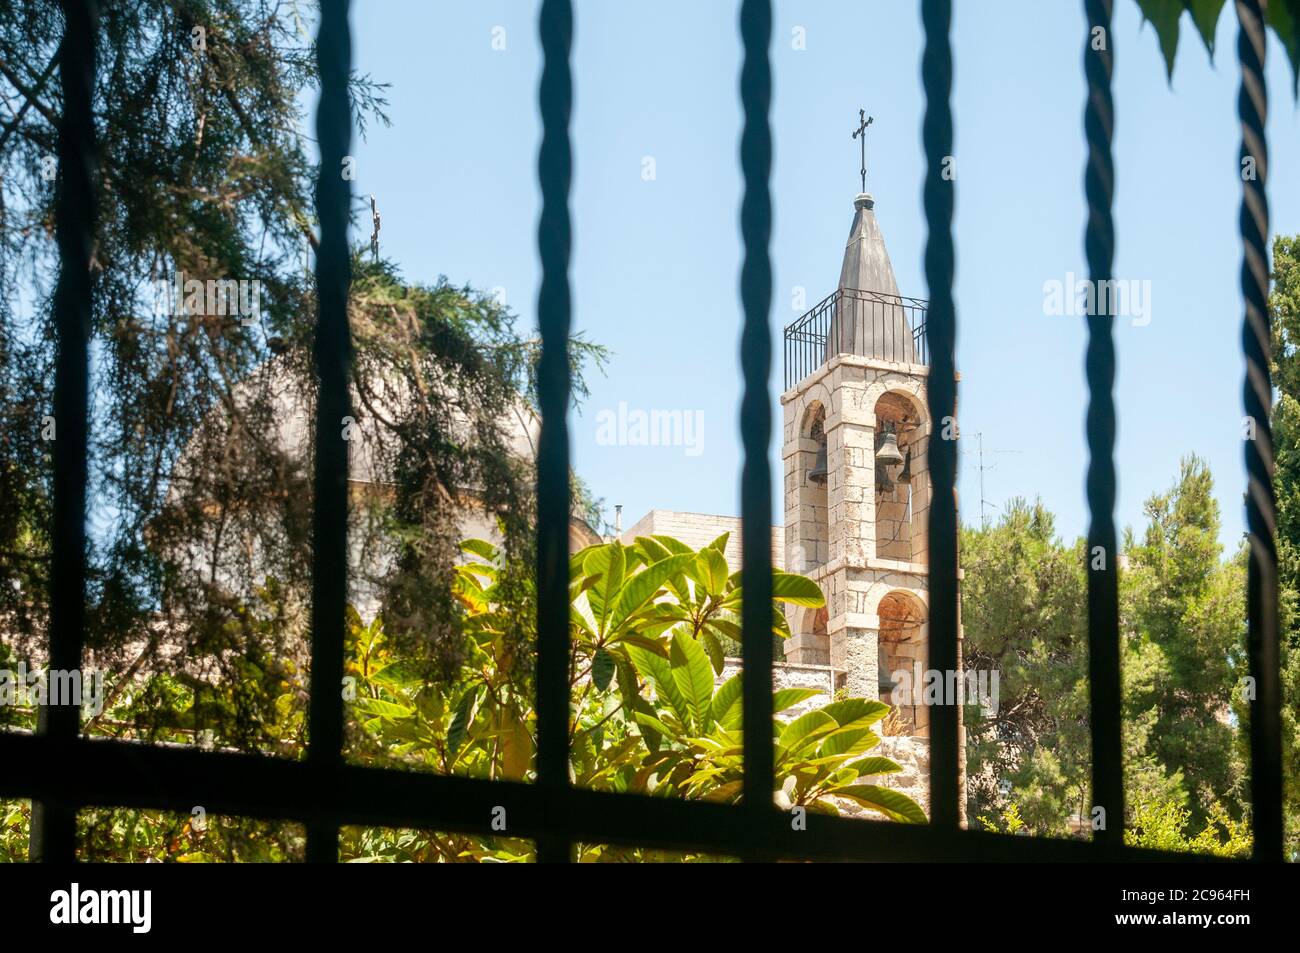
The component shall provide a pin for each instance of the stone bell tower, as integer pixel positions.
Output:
(857, 482)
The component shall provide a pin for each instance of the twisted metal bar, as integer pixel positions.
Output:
(554, 242)
(941, 335)
(1099, 363)
(53, 831)
(755, 407)
(1261, 519)
(333, 350)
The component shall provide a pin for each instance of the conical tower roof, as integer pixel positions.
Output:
(869, 318)
(866, 261)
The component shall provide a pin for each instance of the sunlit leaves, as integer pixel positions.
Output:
(1282, 17)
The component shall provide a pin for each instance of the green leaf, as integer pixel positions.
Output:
(789, 697)
(652, 551)
(847, 742)
(674, 546)
(634, 703)
(645, 585)
(1163, 15)
(780, 625)
(516, 749)
(711, 645)
(602, 669)
(397, 675)
(893, 804)
(649, 644)
(612, 582)
(797, 590)
(1205, 16)
(578, 561)
(720, 544)
(805, 728)
(711, 571)
(850, 711)
(659, 673)
(727, 627)
(726, 702)
(866, 767)
(1284, 17)
(650, 721)
(377, 706)
(694, 677)
(726, 793)
(786, 587)
(480, 548)
(459, 729)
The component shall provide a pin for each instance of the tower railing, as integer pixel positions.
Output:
(861, 323)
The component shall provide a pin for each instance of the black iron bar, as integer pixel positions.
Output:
(554, 242)
(1102, 555)
(941, 330)
(53, 830)
(1261, 503)
(755, 407)
(333, 353)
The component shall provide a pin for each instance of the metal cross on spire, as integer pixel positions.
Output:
(861, 133)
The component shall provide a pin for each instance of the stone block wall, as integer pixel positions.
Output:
(697, 530)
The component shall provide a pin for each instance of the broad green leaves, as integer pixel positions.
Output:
(893, 804)
(650, 624)
(819, 754)
(1283, 17)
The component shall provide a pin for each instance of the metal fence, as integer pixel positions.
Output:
(870, 324)
(63, 771)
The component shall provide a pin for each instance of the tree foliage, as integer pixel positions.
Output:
(1024, 608)
(200, 464)
(1284, 312)
(650, 715)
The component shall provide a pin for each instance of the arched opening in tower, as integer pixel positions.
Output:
(903, 651)
(814, 532)
(899, 478)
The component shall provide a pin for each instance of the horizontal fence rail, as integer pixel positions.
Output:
(143, 776)
(882, 327)
(63, 772)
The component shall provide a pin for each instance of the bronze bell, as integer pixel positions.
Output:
(888, 454)
(887, 457)
(818, 472)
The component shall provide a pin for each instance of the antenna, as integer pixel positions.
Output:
(980, 451)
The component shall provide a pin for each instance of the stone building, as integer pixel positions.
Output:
(856, 431)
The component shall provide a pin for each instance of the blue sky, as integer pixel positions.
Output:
(656, 259)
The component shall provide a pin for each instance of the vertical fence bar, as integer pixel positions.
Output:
(333, 347)
(755, 405)
(554, 242)
(1261, 519)
(53, 831)
(1099, 362)
(941, 331)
